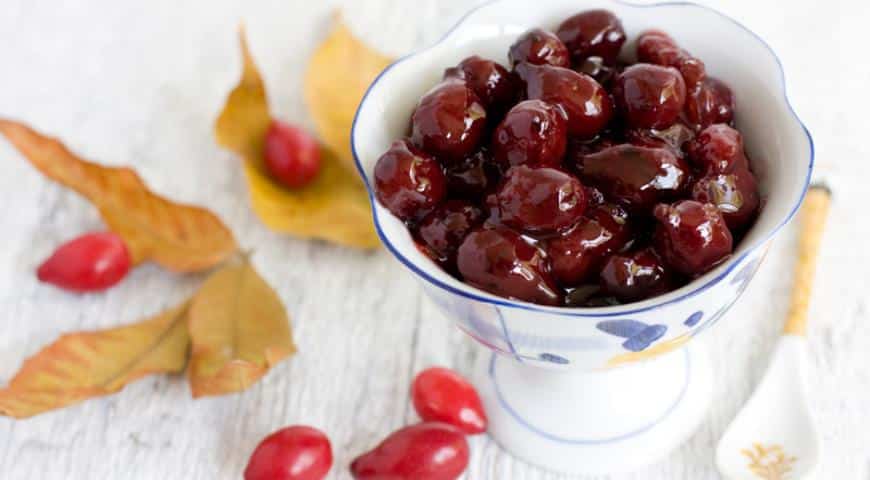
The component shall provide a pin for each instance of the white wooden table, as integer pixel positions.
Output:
(140, 83)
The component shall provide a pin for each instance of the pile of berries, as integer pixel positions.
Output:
(434, 449)
(572, 178)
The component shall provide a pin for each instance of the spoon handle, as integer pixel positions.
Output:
(813, 215)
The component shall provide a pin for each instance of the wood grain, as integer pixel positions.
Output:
(141, 84)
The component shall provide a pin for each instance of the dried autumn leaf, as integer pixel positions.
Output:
(334, 207)
(179, 237)
(242, 125)
(238, 329)
(83, 365)
(338, 75)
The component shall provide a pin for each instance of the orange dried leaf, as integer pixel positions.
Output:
(338, 75)
(83, 365)
(334, 207)
(179, 237)
(238, 328)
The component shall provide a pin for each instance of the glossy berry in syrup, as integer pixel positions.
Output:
(718, 149)
(471, 177)
(655, 46)
(591, 33)
(635, 276)
(577, 255)
(673, 137)
(444, 229)
(691, 236)
(532, 133)
(595, 67)
(501, 261)
(584, 101)
(650, 96)
(539, 47)
(637, 177)
(735, 195)
(709, 103)
(490, 81)
(408, 181)
(449, 120)
(540, 200)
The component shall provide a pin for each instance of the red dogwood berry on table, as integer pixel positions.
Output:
(426, 451)
(292, 155)
(92, 262)
(440, 394)
(292, 453)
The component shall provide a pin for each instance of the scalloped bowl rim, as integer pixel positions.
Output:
(691, 289)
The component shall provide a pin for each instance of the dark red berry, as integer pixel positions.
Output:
(709, 103)
(532, 133)
(718, 149)
(592, 33)
(586, 104)
(449, 120)
(491, 82)
(577, 255)
(735, 195)
(408, 181)
(539, 47)
(442, 395)
(472, 176)
(292, 156)
(655, 46)
(426, 451)
(635, 276)
(595, 67)
(292, 453)
(650, 96)
(92, 262)
(501, 261)
(444, 229)
(540, 200)
(691, 236)
(579, 148)
(637, 177)
(673, 137)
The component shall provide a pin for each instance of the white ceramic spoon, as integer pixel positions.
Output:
(773, 437)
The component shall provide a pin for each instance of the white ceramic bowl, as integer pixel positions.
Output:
(779, 145)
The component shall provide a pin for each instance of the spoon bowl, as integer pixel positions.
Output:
(773, 437)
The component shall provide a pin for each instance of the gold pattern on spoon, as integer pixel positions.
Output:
(769, 463)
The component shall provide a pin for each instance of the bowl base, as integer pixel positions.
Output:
(599, 422)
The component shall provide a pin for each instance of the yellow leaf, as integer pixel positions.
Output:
(334, 207)
(180, 237)
(83, 365)
(238, 329)
(242, 125)
(338, 74)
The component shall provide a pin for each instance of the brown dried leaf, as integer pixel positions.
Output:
(179, 237)
(338, 75)
(238, 328)
(83, 365)
(334, 207)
